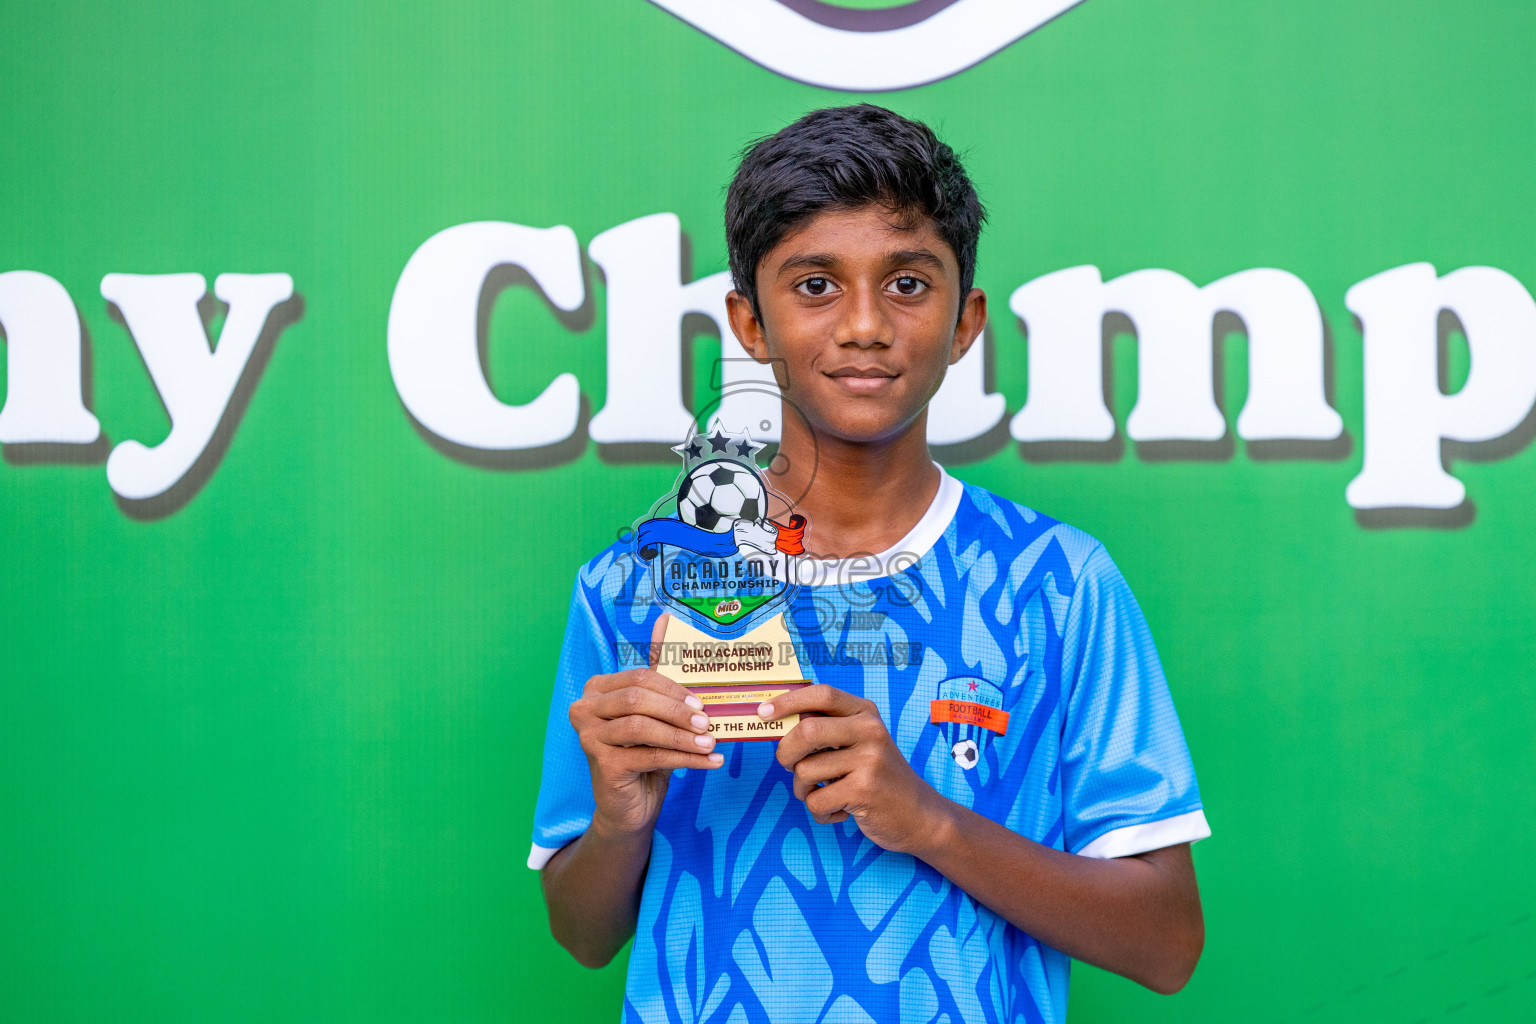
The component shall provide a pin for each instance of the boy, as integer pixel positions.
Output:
(875, 864)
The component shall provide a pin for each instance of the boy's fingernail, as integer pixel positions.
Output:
(765, 711)
(694, 702)
(717, 759)
(700, 722)
(706, 741)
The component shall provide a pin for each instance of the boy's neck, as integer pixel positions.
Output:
(860, 498)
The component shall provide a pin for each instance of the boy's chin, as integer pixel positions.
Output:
(869, 428)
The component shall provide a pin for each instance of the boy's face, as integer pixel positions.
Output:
(863, 317)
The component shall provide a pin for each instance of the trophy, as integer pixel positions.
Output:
(725, 571)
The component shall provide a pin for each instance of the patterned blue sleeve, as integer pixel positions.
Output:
(1124, 763)
(565, 804)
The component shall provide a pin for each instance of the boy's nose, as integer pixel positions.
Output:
(864, 323)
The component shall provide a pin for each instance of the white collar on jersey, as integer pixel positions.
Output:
(899, 556)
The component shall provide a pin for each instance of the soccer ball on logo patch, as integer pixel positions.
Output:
(717, 493)
(966, 754)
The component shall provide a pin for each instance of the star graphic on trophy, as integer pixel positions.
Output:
(716, 443)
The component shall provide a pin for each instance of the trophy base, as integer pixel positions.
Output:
(733, 677)
(732, 711)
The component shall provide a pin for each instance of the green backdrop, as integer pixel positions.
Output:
(271, 753)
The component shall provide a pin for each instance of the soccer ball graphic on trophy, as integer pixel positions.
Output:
(715, 494)
(722, 493)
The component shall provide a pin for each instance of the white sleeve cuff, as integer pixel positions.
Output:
(540, 855)
(1134, 839)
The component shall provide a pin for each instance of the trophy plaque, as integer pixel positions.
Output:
(732, 677)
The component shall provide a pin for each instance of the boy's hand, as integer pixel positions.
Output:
(846, 763)
(636, 726)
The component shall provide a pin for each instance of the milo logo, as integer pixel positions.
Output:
(868, 45)
(726, 609)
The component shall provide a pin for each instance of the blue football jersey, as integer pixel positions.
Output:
(1014, 670)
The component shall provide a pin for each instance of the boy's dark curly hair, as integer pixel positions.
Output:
(843, 158)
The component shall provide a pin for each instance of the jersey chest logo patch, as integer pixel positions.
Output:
(969, 712)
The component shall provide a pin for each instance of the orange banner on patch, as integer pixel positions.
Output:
(967, 713)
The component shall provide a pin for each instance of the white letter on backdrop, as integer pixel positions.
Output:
(195, 384)
(962, 410)
(433, 344)
(43, 401)
(1064, 312)
(1406, 416)
(1286, 396)
(646, 305)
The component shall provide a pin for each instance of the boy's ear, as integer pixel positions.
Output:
(973, 317)
(745, 325)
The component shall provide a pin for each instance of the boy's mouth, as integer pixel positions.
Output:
(863, 380)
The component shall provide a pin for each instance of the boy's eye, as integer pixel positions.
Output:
(909, 285)
(816, 286)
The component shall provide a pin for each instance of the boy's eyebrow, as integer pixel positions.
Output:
(916, 256)
(824, 260)
(808, 261)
